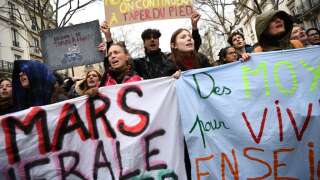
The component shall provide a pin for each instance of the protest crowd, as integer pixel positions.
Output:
(33, 84)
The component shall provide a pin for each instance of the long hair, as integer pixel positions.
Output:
(177, 56)
(85, 84)
(109, 70)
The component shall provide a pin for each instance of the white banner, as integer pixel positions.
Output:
(129, 131)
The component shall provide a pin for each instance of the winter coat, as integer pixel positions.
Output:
(156, 64)
(6, 105)
(41, 84)
(78, 89)
(248, 48)
(267, 43)
(113, 77)
(187, 63)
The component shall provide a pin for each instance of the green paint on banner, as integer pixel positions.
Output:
(293, 74)
(208, 126)
(315, 72)
(215, 89)
(262, 67)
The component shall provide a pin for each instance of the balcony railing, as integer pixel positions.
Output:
(6, 66)
(15, 43)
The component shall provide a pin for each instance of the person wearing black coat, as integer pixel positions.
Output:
(155, 63)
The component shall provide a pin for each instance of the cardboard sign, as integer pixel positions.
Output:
(72, 46)
(127, 12)
(254, 120)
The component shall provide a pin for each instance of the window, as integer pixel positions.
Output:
(36, 45)
(15, 40)
(17, 57)
(34, 23)
(12, 8)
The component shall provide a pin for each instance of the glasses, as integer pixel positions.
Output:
(231, 53)
(313, 34)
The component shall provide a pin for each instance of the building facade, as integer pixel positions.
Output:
(19, 31)
(305, 12)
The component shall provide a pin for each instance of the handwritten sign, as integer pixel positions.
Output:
(71, 46)
(127, 12)
(126, 132)
(254, 120)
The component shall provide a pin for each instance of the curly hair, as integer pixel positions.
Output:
(234, 34)
(148, 33)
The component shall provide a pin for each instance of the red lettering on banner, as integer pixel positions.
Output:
(69, 113)
(137, 129)
(305, 124)
(279, 120)
(264, 117)
(277, 164)
(298, 133)
(93, 114)
(235, 171)
(246, 152)
(198, 160)
(311, 160)
(318, 170)
(36, 116)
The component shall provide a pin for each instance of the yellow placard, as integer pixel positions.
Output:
(121, 12)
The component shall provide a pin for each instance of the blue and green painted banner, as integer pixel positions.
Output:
(254, 120)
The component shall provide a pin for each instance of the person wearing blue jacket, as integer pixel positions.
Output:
(32, 84)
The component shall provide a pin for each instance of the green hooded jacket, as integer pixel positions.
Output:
(268, 43)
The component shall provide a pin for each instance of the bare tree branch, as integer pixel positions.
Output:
(216, 12)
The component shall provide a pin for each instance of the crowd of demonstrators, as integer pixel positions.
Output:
(155, 63)
(313, 36)
(33, 84)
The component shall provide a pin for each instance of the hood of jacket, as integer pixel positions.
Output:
(262, 23)
(41, 82)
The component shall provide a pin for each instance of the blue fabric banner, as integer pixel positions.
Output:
(254, 120)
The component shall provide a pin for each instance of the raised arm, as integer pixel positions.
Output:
(195, 17)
